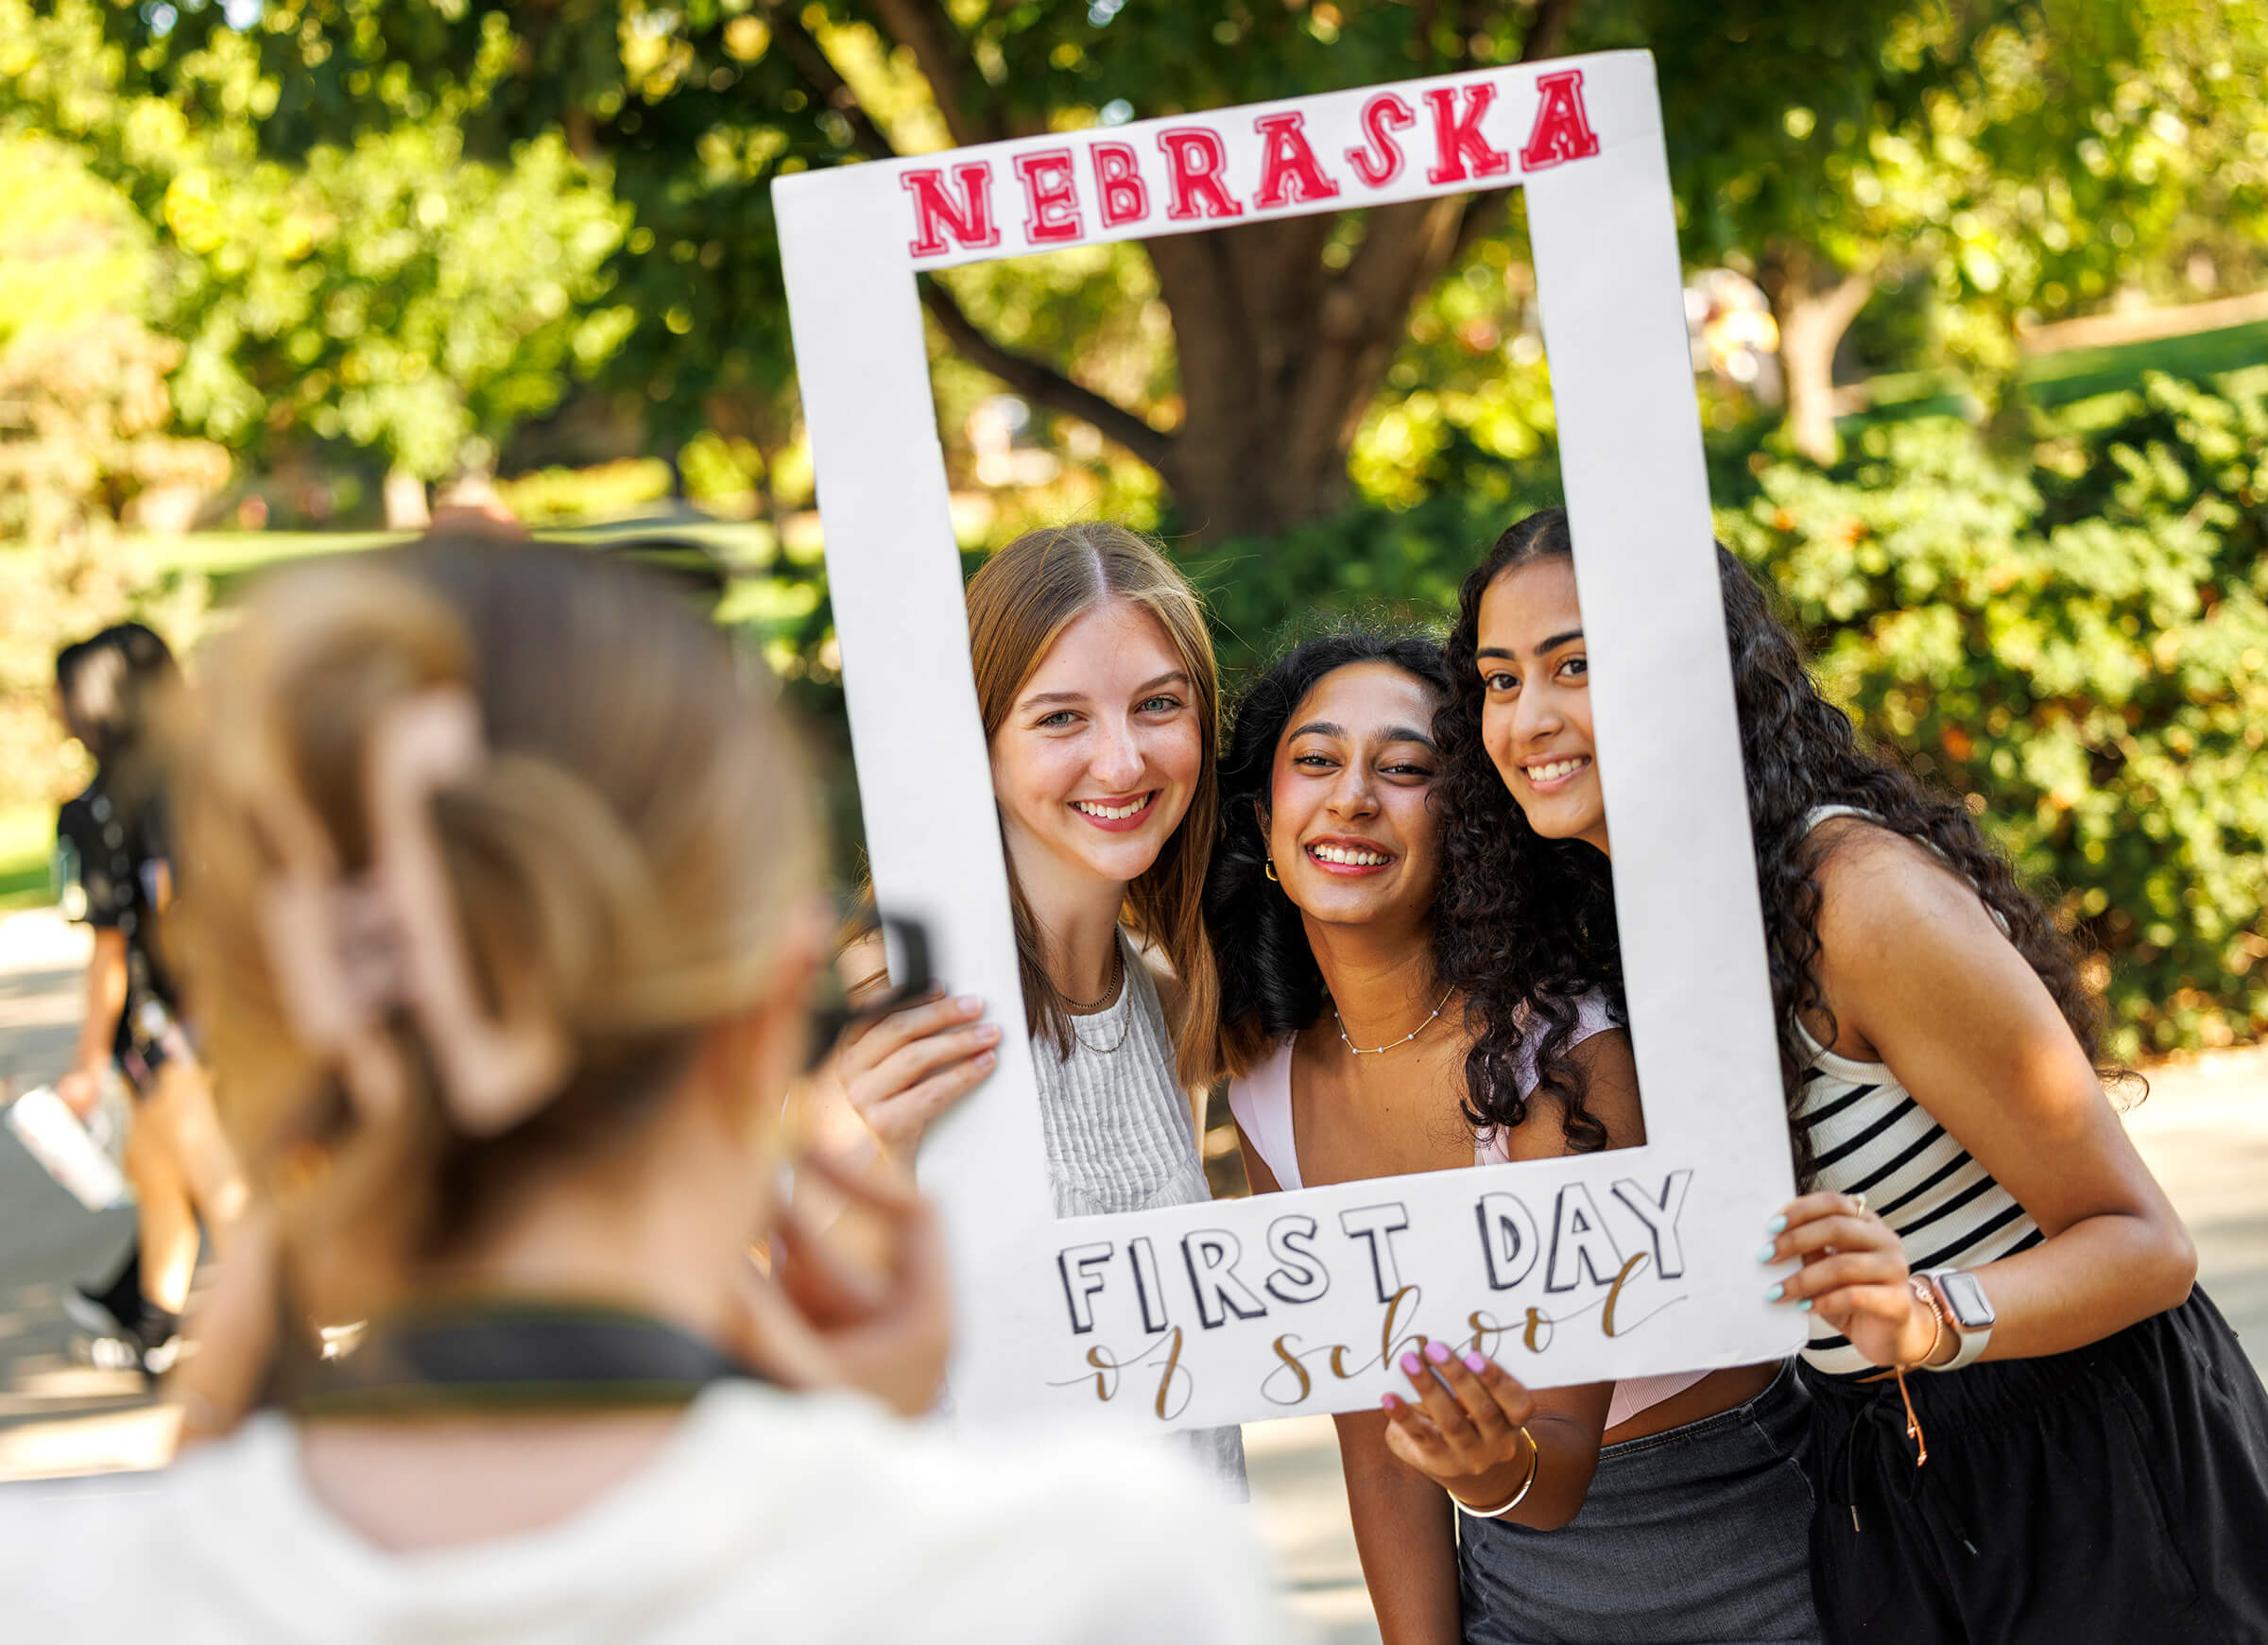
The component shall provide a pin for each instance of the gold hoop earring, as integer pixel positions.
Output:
(1271, 869)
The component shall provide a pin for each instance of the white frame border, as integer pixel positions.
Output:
(1603, 237)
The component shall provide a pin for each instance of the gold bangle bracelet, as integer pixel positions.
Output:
(1535, 1468)
(1926, 1295)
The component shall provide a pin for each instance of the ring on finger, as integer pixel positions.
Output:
(1858, 1205)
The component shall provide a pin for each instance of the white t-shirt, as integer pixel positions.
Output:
(802, 1519)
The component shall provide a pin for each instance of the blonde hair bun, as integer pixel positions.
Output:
(617, 860)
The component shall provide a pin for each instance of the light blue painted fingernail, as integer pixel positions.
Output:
(1772, 1294)
(1804, 1307)
(1777, 1225)
(1767, 1253)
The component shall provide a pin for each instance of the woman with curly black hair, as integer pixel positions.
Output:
(1347, 1042)
(1971, 1193)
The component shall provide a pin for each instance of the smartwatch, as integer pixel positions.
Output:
(1966, 1309)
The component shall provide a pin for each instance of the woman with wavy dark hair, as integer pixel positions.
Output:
(1970, 1195)
(1347, 1035)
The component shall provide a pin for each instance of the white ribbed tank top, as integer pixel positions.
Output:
(1119, 1138)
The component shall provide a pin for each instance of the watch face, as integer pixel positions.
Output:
(1965, 1296)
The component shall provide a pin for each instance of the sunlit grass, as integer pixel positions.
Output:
(26, 841)
(2071, 374)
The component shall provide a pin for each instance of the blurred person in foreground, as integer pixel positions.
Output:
(113, 871)
(502, 936)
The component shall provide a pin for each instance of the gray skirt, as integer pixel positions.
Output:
(1698, 1536)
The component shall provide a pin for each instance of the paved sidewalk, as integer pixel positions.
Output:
(47, 1241)
(2204, 1129)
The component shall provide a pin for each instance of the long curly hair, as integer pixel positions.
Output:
(1270, 984)
(1524, 920)
(1525, 925)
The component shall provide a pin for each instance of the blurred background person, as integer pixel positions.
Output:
(114, 872)
(503, 933)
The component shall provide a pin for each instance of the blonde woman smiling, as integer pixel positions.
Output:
(1101, 704)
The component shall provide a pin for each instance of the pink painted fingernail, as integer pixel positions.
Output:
(1390, 1403)
(1475, 1364)
(970, 1004)
(1437, 1352)
(1410, 1367)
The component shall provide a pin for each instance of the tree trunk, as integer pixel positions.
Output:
(1280, 358)
(1281, 355)
(1812, 303)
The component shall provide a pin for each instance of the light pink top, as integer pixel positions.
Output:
(1261, 1101)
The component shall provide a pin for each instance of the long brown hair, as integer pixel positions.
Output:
(1019, 602)
(627, 860)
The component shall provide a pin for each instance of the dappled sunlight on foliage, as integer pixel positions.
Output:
(266, 265)
(2077, 639)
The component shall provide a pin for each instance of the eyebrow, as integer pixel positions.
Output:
(1173, 677)
(1544, 649)
(1328, 729)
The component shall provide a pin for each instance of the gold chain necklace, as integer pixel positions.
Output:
(1375, 1049)
(1118, 977)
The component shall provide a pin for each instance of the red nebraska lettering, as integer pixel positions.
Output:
(936, 214)
(1118, 179)
(1289, 171)
(1459, 149)
(1195, 160)
(1379, 162)
(1051, 198)
(1562, 128)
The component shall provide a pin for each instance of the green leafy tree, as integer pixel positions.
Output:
(2076, 637)
(85, 437)
(385, 292)
(1282, 332)
(389, 295)
(2023, 161)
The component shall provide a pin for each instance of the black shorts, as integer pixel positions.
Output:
(2115, 1493)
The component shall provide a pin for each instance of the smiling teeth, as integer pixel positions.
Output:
(1556, 768)
(1112, 812)
(1347, 859)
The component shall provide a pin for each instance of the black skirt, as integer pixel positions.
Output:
(2115, 1493)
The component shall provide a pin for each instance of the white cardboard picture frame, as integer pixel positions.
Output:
(1620, 1264)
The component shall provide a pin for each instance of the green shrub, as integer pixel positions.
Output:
(564, 496)
(2075, 638)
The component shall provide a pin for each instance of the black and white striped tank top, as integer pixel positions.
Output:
(1869, 1136)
